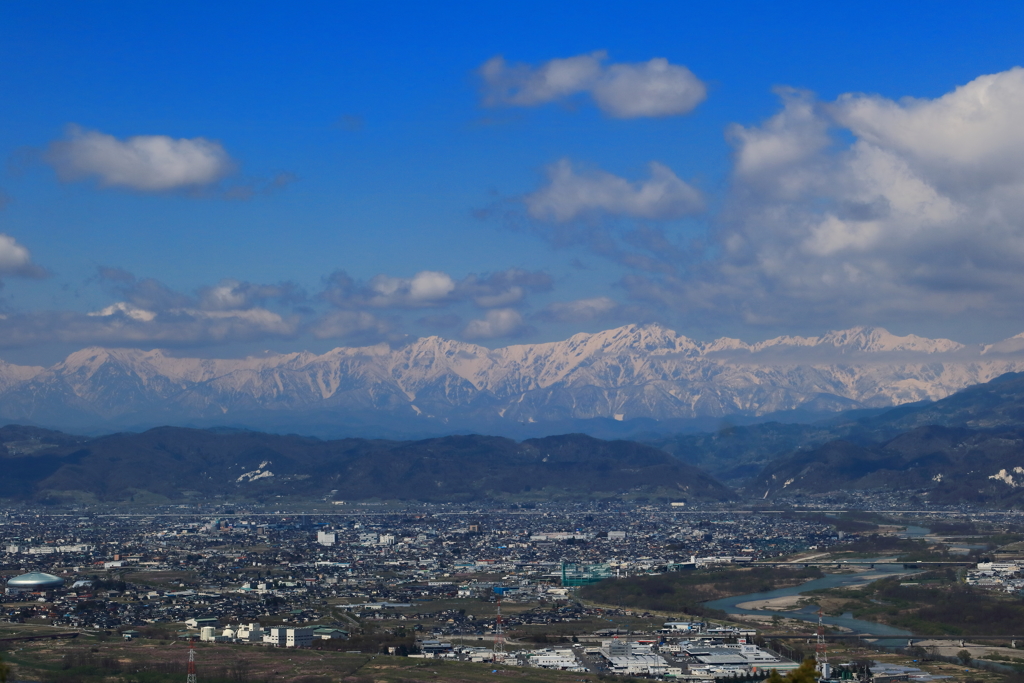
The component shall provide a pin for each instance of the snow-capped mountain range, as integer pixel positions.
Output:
(624, 373)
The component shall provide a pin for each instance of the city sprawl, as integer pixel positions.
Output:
(502, 584)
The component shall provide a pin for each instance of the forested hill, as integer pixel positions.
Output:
(171, 463)
(940, 465)
(967, 448)
(738, 455)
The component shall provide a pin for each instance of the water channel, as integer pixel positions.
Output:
(916, 532)
(810, 612)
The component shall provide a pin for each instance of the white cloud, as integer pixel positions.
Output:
(790, 138)
(503, 288)
(149, 163)
(580, 310)
(124, 308)
(645, 89)
(512, 295)
(15, 259)
(654, 88)
(256, 319)
(348, 323)
(499, 322)
(148, 312)
(430, 285)
(220, 325)
(432, 289)
(973, 133)
(426, 288)
(524, 86)
(226, 295)
(570, 195)
(232, 294)
(123, 323)
(915, 210)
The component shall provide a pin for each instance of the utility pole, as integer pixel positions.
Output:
(820, 654)
(499, 638)
(191, 663)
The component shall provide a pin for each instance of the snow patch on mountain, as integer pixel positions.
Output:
(1007, 478)
(257, 474)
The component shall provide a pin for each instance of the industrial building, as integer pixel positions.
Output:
(289, 637)
(34, 582)
(584, 574)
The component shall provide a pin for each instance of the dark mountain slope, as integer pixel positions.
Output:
(947, 465)
(998, 403)
(734, 454)
(29, 454)
(177, 463)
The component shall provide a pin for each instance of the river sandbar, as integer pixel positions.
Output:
(781, 603)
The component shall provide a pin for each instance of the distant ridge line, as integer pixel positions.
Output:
(435, 385)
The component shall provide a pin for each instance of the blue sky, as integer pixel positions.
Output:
(223, 178)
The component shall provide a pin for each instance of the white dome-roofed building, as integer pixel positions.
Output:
(34, 581)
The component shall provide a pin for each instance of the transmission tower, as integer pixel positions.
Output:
(191, 663)
(820, 655)
(499, 638)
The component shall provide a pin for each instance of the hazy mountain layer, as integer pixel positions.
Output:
(432, 384)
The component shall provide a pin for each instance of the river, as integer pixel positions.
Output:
(917, 532)
(810, 612)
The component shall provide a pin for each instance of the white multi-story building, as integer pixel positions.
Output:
(289, 637)
(299, 637)
(682, 626)
(208, 634)
(248, 633)
(616, 648)
(634, 665)
(326, 538)
(50, 549)
(562, 659)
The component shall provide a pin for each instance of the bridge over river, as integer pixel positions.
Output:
(871, 564)
(909, 636)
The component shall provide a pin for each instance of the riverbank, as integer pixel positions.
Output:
(784, 602)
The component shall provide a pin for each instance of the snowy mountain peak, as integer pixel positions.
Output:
(863, 339)
(628, 372)
(877, 339)
(89, 360)
(726, 344)
(11, 375)
(649, 338)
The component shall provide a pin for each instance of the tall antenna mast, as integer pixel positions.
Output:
(820, 656)
(499, 638)
(191, 663)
